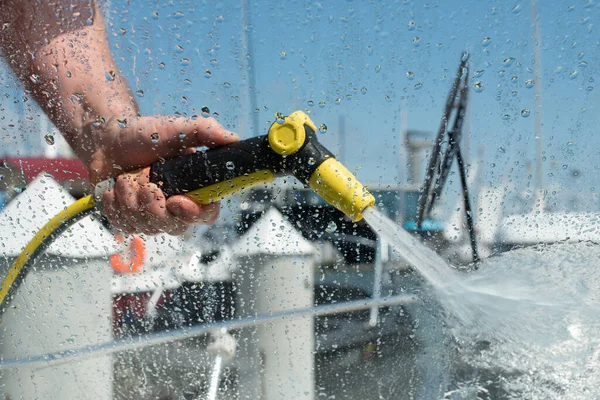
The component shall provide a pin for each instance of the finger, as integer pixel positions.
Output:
(126, 199)
(189, 211)
(202, 132)
(184, 209)
(165, 137)
(112, 213)
(156, 216)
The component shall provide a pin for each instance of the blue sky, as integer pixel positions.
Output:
(366, 53)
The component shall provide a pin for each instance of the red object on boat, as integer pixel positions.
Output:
(61, 169)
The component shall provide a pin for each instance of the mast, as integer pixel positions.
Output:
(248, 46)
(537, 84)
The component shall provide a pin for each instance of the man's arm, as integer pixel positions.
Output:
(61, 54)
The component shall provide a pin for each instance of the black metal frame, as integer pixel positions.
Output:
(442, 156)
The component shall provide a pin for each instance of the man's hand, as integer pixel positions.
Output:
(135, 204)
(64, 63)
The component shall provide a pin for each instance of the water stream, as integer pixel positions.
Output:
(526, 324)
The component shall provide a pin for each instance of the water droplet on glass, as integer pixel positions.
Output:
(529, 83)
(479, 73)
(161, 65)
(485, 42)
(310, 103)
(207, 74)
(18, 189)
(220, 18)
(98, 122)
(181, 135)
(589, 88)
(226, 84)
(410, 75)
(516, 9)
(508, 61)
(311, 161)
(34, 78)
(49, 139)
(525, 113)
(565, 166)
(77, 97)
(338, 100)
(478, 87)
(418, 85)
(140, 93)
(177, 15)
(377, 68)
(322, 104)
(573, 75)
(184, 62)
(501, 150)
(322, 128)
(279, 118)
(154, 137)
(464, 56)
(506, 117)
(184, 99)
(580, 55)
(363, 90)
(582, 64)
(282, 55)
(110, 75)
(331, 227)
(230, 165)
(514, 93)
(416, 41)
(412, 25)
(205, 111)
(68, 74)
(179, 49)
(122, 123)
(155, 15)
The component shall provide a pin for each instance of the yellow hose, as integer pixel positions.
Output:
(62, 220)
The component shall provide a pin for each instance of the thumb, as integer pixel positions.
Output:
(165, 137)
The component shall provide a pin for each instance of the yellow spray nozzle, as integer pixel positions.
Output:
(340, 188)
(316, 166)
(290, 148)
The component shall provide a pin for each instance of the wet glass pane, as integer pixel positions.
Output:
(408, 210)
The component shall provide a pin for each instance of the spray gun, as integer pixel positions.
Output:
(290, 148)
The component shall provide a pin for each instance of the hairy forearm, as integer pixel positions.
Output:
(61, 53)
